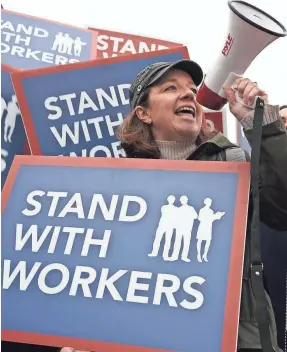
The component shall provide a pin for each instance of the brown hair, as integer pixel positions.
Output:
(137, 139)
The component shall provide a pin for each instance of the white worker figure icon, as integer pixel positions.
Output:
(165, 228)
(58, 43)
(185, 217)
(68, 44)
(3, 107)
(10, 119)
(78, 45)
(65, 44)
(206, 218)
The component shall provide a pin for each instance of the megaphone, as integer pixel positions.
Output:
(250, 30)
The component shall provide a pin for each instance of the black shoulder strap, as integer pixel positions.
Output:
(256, 266)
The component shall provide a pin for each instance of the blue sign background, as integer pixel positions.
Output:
(41, 44)
(75, 81)
(105, 319)
(17, 146)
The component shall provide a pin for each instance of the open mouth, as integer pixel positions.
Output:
(186, 111)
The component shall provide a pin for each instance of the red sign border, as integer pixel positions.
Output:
(93, 53)
(10, 69)
(18, 77)
(232, 305)
(121, 34)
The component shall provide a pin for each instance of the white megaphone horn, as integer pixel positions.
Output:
(250, 31)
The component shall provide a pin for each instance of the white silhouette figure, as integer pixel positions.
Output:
(67, 44)
(78, 44)
(63, 43)
(165, 227)
(206, 218)
(186, 215)
(3, 106)
(10, 120)
(58, 43)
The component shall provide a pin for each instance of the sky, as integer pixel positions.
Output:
(201, 25)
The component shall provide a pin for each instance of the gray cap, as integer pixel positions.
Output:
(154, 72)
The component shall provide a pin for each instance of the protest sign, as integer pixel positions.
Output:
(111, 44)
(13, 136)
(123, 255)
(30, 42)
(79, 107)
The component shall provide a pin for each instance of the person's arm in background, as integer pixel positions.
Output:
(273, 158)
(273, 171)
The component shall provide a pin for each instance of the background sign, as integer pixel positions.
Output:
(31, 42)
(96, 262)
(112, 44)
(13, 136)
(80, 106)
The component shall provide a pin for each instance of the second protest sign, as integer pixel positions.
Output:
(126, 255)
(79, 106)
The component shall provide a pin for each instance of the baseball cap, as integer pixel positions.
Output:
(154, 72)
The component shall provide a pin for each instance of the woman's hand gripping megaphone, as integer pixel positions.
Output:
(242, 95)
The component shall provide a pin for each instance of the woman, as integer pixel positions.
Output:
(166, 122)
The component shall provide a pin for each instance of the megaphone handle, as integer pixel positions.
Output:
(240, 100)
(229, 82)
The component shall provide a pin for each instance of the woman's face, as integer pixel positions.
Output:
(173, 111)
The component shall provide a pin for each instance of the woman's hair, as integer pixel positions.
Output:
(136, 136)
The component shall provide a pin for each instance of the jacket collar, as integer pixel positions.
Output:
(221, 141)
(212, 146)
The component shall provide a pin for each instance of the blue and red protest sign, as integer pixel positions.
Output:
(30, 42)
(13, 136)
(112, 44)
(123, 255)
(79, 107)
